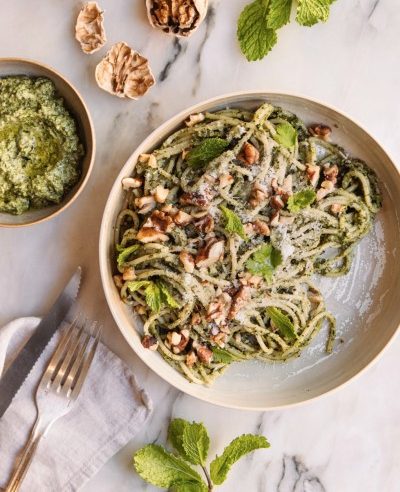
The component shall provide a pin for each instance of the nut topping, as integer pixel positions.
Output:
(204, 354)
(276, 202)
(150, 235)
(196, 198)
(118, 281)
(187, 261)
(150, 342)
(178, 17)
(249, 155)
(261, 227)
(194, 119)
(150, 159)
(274, 219)
(160, 194)
(211, 253)
(239, 301)
(145, 204)
(326, 188)
(320, 131)
(124, 73)
(129, 274)
(313, 173)
(89, 29)
(218, 309)
(258, 195)
(191, 358)
(128, 183)
(336, 208)
(182, 218)
(225, 180)
(205, 224)
(331, 173)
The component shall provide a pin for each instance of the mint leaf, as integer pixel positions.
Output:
(233, 223)
(125, 253)
(189, 487)
(175, 435)
(279, 13)
(166, 296)
(264, 261)
(310, 12)
(300, 200)
(135, 285)
(282, 322)
(239, 447)
(196, 443)
(221, 355)
(154, 297)
(162, 469)
(206, 151)
(286, 135)
(255, 38)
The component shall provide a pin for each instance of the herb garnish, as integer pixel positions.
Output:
(206, 151)
(264, 261)
(233, 224)
(300, 200)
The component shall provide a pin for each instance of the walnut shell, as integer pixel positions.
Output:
(177, 17)
(124, 72)
(89, 28)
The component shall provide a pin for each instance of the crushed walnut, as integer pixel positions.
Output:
(210, 253)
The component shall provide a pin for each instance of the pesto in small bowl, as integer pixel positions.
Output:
(40, 150)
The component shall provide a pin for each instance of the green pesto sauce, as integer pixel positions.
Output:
(40, 151)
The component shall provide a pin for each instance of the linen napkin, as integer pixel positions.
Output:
(110, 409)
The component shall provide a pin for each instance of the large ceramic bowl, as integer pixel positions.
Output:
(77, 107)
(365, 302)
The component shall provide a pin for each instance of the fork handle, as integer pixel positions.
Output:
(26, 458)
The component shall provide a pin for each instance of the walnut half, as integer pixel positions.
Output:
(178, 17)
(124, 73)
(89, 29)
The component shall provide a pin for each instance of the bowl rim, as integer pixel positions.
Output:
(82, 185)
(103, 244)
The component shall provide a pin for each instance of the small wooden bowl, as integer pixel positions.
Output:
(77, 107)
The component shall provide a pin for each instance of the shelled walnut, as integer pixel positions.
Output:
(124, 73)
(89, 28)
(178, 17)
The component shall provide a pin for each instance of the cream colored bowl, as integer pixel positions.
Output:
(364, 302)
(77, 107)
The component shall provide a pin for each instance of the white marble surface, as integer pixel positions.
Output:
(348, 441)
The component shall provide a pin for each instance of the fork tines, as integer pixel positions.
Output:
(70, 362)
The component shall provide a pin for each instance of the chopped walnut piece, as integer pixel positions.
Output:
(118, 281)
(326, 188)
(225, 180)
(182, 218)
(174, 338)
(211, 253)
(320, 131)
(331, 173)
(218, 309)
(128, 183)
(160, 194)
(274, 219)
(129, 274)
(150, 342)
(284, 220)
(239, 300)
(258, 195)
(194, 119)
(187, 261)
(89, 28)
(276, 202)
(205, 224)
(178, 348)
(178, 17)
(160, 221)
(220, 339)
(336, 208)
(196, 198)
(150, 235)
(287, 186)
(261, 227)
(204, 354)
(196, 319)
(145, 204)
(249, 154)
(191, 358)
(149, 159)
(124, 73)
(250, 279)
(313, 173)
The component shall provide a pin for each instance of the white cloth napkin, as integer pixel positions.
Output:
(109, 411)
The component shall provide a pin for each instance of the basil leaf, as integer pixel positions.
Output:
(282, 322)
(221, 355)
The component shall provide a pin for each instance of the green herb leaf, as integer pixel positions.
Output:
(264, 261)
(282, 322)
(162, 469)
(189, 487)
(196, 443)
(175, 435)
(286, 135)
(125, 253)
(135, 285)
(223, 356)
(301, 199)
(206, 151)
(309, 12)
(256, 39)
(239, 447)
(279, 13)
(233, 223)
(167, 297)
(154, 297)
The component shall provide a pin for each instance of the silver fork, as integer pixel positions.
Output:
(59, 388)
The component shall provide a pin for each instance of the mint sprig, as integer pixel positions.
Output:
(264, 261)
(233, 224)
(301, 199)
(206, 151)
(259, 21)
(164, 469)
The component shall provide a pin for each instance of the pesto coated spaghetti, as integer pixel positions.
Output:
(223, 227)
